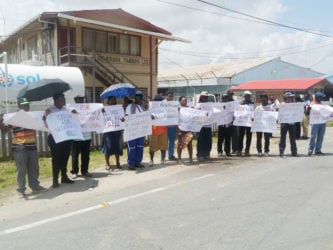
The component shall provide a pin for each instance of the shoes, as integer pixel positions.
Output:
(118, 166)
(67, 180)
(309, 153)
(319, 153)
(247, 153)
(21, 193)
(282, 155)
(294, 154)
(163, 162)
(259, 154)
(151, 163)
(108, 167)
(206, 158)
(74, 176)
(55, 184)
(266, 154)
(172, 158)
(219, 154)
(39, 189)
(304, 137)
(239, 153)
(180, 161)
(131, 168)
(87, 174)
(139, 165)
(228, 154)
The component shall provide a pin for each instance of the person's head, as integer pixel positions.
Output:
(288, 97)
(79, 99)
(59, 100)
(183, 101)
(23, 103)
(169, 96)
(225, 98)
(306, 96)
(247, 95)
(112, 100)
(319, 96)
(203, 96)
(158, 98)
(264, 99)
(138, 96)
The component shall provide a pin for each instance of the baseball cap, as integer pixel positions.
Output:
(319, 95)
(22, 101)
(247, 92)
(288, 94)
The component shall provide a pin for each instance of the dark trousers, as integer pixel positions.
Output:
(242, 131)
(291, 129)
(204, 142)
(298, 130)
(83, 148)
(267, 137)
(60, 154)
(224, 135)
(234, 138)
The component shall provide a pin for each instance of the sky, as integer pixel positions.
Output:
(299, 32)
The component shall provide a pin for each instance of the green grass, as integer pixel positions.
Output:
(329, 124)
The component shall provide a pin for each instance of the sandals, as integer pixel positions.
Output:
(108, 167)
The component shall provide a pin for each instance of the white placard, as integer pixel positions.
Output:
(291, 112)
(63, 126)
(112, 116)
(243, 115)
(320, 114)
(165, 112)
(30, 120)
(137, 125)
(227, 112)
(90, 116)
(191, 119)
(264, 121)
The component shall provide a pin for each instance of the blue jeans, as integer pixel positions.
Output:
(135, 151)
(172, 138)
(317, 137)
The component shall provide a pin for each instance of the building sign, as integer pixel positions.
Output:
(123, 59)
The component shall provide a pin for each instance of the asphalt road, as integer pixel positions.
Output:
(235, 203)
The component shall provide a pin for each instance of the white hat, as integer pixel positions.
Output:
(246, 92)
(204, 93)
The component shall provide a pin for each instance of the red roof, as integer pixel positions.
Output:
(283, 84)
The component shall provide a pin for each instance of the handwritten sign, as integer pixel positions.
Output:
(264, 121)
(64, 127)
(291, 112)
(30, 120)
(90, 116)
(112, 117)
(226, 116)
(320, 114)
(243, 115)
(165, 113)
(191, 119)
(137, 125)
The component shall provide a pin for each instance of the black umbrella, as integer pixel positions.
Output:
(43, 89)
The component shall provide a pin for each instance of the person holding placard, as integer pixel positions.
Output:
(112, 142)
(158, 139)
(24, 149)
(288, 128)
(172, 132)
(224, 134)
(135, 146)
(184, 137)
(318, 129)
(264, 106)
(59, 151)
(245, 131)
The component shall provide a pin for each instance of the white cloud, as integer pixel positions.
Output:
(215, 38)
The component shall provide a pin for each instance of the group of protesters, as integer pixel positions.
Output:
(163, 138)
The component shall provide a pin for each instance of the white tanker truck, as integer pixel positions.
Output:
(21, 75)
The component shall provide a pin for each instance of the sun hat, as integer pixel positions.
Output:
(247, 92)
(22, 101)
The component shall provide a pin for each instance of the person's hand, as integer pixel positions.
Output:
(74, 111)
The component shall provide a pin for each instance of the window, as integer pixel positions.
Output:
(32, 47)
(46, 42)
(115, 43)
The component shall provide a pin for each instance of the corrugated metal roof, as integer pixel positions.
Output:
(224, 70)
(284, 84)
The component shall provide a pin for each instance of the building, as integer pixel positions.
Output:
(218, 78)
(109, 46)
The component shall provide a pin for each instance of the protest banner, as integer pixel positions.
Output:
(264, 121)
(112, 116)
(227, 112)
(165, 113)
(137, 125)
(291, 112)
(212, 111)
(90, 116)
(243, 115)
(191, 119)
(63, 126)
(30, 120)
(320, 114)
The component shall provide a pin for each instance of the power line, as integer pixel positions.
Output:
(264, 20)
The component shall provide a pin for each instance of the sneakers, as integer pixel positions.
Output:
(172, 158)
(239, 153)
(220, 154)
(21, 193)
(266, 154)
(151, 163)
(132, 168)
(87, 174)
(228, 154)
(39, 189)
(309, 153)
(259, 154)
(67, 180)
(163, 162)
(74, 176)
(319, 153)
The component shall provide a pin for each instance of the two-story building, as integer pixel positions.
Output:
(109, 46)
